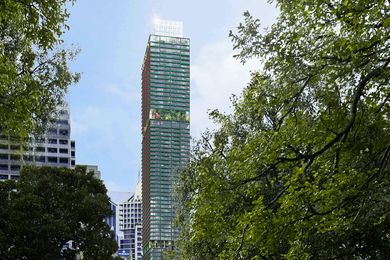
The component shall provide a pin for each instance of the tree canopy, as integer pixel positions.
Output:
(300, 169)
(48, 207)
(34, 75)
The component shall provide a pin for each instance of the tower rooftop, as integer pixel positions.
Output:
(168, 28)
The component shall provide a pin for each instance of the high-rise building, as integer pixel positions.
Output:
(111, 220)
(130, 225)
(54, 148)
(165, 132)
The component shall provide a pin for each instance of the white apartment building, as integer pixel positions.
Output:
(54, 148)
(130, 226)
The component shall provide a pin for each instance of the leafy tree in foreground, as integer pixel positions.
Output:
(48, 207)
(300, 169)
(34, 75)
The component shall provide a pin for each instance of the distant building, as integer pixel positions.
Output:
(54, 148)
(112, 220)
(130, 225)
(165, 132)
(93, 168)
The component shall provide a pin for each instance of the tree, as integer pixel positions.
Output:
(48, 207)
(300, 169)
(34, 75)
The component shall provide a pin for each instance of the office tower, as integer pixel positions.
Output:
(111, 220)
(54, 148)
(165, 132)
(130, 225)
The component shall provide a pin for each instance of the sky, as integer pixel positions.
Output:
(105, 105)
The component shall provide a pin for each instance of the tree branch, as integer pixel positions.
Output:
(242, 241)
(295, 98)
(344, 134)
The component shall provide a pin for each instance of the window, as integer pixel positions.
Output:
(63, 112)
(52, 131)
(52, 141)
(40, 149)
(15, 167)
(40, 158)
(28, 157)
(72, 144)
(73, 153)
(51, 150)
(52, 159)
(64, 132)
(3, 156)
(63, 150)
(63, 122)
(15, 147)
(4, 167)
(40, 140)
(4, 146)
(64, 160)
(73, 163)
(63, 141)
(15, 157)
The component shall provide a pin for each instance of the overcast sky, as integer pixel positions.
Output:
(106, 103)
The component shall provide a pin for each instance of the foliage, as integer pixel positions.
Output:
(34, 74)
(169, 114)
(169, 255)
(47, 208)
(300, 169)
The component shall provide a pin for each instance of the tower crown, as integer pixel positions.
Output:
(168, 28)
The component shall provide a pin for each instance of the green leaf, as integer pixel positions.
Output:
(386, 22)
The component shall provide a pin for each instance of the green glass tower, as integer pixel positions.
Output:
(165, 131)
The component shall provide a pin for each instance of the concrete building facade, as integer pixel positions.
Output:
(54, 148)
(130, 225)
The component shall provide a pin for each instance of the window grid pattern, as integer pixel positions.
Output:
(54, 148)
(166, 142)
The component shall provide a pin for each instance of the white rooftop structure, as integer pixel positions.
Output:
(168, 28)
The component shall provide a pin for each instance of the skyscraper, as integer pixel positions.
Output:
(165, 132)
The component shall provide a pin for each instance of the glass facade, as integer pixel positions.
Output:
(166, 136)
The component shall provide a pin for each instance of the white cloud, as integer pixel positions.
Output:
(78, 128)
(80, 123)
(215, 77)
(125, 94)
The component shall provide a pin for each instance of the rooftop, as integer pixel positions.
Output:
(168, 28)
